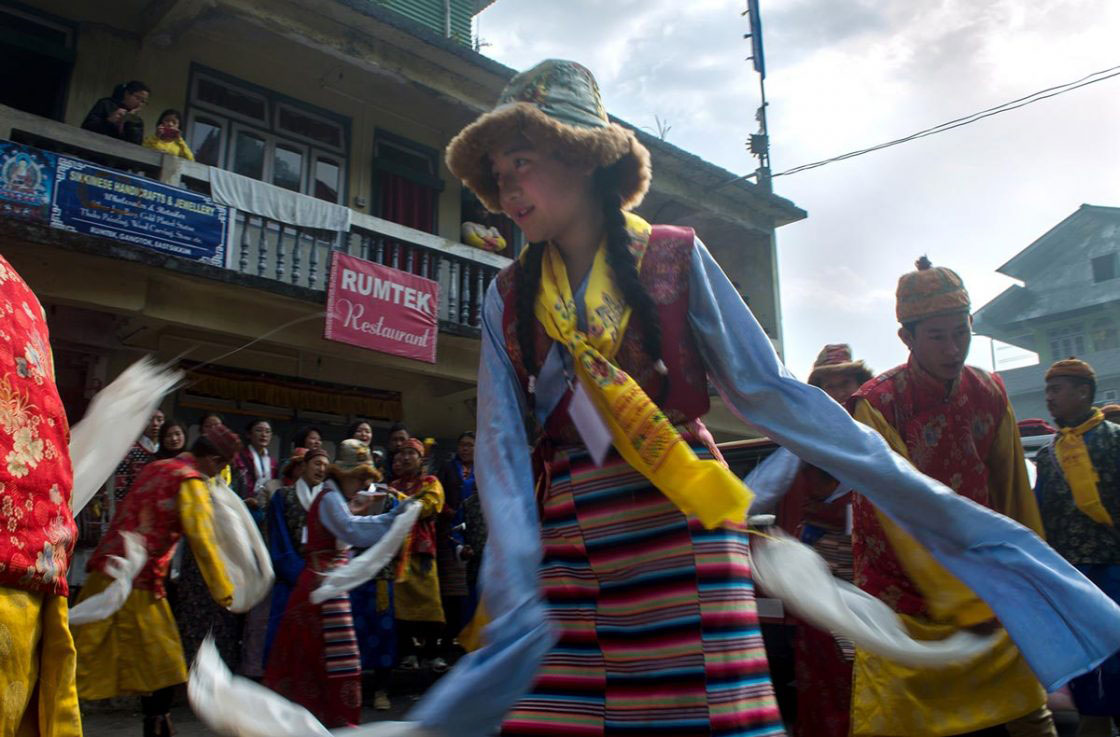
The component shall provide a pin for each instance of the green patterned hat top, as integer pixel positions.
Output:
(561, 89)
(557, 106)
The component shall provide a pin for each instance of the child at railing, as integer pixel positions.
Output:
(168, 137)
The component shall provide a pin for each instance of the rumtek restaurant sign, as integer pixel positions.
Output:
(80, 197)
(382, 309)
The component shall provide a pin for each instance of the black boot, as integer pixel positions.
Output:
(158, 726)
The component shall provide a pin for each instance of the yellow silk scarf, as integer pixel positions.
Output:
(639, 430)
(1074, 459)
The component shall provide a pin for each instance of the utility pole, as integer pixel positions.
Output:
(759, 143)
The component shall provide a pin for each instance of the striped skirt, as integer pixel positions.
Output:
(314, 659)
(658, 629)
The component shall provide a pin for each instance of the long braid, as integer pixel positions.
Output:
(625, 271)
(526, 285)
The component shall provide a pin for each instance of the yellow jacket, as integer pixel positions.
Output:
(177, 147)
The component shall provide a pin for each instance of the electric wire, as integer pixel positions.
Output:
(1037, 96)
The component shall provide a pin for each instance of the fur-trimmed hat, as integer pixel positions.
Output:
(836, 358)
(558, 107)
(353, 457)
(930, 292)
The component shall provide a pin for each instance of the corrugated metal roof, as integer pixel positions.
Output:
(430, 13)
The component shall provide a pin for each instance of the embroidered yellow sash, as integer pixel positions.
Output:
(640, 431)
(1074, 459)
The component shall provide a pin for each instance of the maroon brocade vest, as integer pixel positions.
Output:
(665, 270)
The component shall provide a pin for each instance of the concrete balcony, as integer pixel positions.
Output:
(266, 252)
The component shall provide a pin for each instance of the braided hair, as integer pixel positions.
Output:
(622, 264)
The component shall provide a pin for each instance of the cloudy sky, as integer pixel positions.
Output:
(845, 74)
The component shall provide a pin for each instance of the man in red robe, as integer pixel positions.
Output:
(822, 663)
(955, 424)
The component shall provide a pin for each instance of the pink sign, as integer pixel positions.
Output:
(380, 308)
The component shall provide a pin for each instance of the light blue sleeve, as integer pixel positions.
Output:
(1061, 623)
(473, 698)
(361, 531)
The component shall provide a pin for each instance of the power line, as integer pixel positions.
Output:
(1043, 94)
(967, 120)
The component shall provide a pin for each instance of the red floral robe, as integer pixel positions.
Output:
(37, 529)
(948, 436)
(964, 435)
(151, 511)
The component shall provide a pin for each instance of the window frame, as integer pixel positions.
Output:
(231, 150)
(1073, 332)
(303, 151)
(218, 122)
(425, 179)
(1101, 261)
(283, 132)
(336, 160)
(268, 128)
(195, 101)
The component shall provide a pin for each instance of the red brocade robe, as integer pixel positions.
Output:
(137, 649)
(37, 530)
(965, 436)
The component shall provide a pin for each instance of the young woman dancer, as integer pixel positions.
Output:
(617, 573)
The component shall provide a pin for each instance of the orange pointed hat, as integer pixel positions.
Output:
(930, 292)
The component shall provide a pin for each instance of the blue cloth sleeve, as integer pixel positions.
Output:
(361, 531)
(473, 698)
(286, 560)
(1061, 623)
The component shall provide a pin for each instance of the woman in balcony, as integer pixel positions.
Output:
(118, 116)
(617, 572)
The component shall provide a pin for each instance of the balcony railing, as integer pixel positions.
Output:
(264, 247)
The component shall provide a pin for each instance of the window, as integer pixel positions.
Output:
(1067, 341)
(248, 155)
(1104, 334)
(1109, 395)
(37, 54)
(327, 174)
(287, 168)
(204, 136)
(263, 135)
(406, 181)
(1104, 268)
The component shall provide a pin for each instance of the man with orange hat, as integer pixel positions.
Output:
(822, 663)
(137, 648)
(1078, 492)
(955, 424)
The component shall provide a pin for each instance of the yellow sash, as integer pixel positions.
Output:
(639, 430)
(1074, 459)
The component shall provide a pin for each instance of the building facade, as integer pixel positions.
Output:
(1067, 305)
(344, 102)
